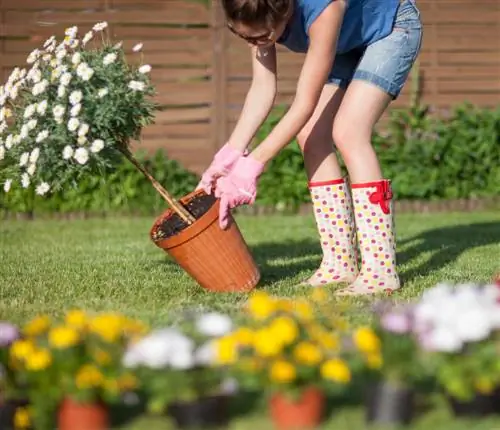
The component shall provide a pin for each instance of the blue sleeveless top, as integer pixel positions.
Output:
(365, 22)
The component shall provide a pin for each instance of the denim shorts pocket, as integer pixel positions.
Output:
(408, 16)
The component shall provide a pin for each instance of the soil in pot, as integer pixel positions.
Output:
(197, 206)
(202, 413)
(479, 405)
(389, 404)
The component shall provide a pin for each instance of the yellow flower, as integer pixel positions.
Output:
(244, 336)
(134, 327)
(266, 344)
(76, 318)
(249, 364)
(89, 376)
(284, 329)
(108, 326)
(227, 351)
(307, 353)
(127, 382)
(319, 295)
(484, 385)
(336, 370)
(282, 372)
(39, 359)
(366, 340)
(304, 310)
(261, 305)
(63, 337)
(102, 357)
(111, 386)
(22, 418)
(374, 360)
(285, 305)
(324, 338)
(21, 349)
(37, 326)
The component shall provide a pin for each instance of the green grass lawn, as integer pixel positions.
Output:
(110, 264)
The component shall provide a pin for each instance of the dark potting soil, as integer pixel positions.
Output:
(197, 207)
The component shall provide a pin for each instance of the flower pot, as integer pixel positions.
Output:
(219, 260)
(76, 416)
(388, 403)
(201, 413)
(479, 405)
(304, 413)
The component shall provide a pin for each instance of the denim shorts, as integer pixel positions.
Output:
(387, 62)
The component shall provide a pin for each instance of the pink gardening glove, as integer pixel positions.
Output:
(221, 165)
(239, 187)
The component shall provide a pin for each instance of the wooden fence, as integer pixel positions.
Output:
(202, 71)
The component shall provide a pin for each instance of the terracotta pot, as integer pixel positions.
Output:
(304, 413)
(76, 416)
(219, 260)
(202, 413)
(387, 403)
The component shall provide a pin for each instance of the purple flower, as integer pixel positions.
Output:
(8, 334)
(396, 322)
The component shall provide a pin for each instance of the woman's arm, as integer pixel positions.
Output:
(260, 97)
(323, 35)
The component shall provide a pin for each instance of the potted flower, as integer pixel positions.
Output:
(83, 354)
(458, 329)
(290, 350)
(76, 108)
(178, 370)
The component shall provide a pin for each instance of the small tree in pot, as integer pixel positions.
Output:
(75, 109)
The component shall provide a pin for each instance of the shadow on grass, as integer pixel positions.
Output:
(446, 245)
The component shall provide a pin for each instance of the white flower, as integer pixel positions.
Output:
(8, 141)
(66, 78)
(2, 152)
(75, 110)
(31, 169)
(29, 111)
(137, 47)
(86, 39)
(6, 185)
(33, 56)
(84, 71)
(58, 111)
(49, 41)
(61, 54)
(214, 324)
(22, 73)
(73, 124)
(61, 90)
(34, 75)
(102, 92)
(81, 140)
(473, 325)
(136, 85)
(42, 136)
(3, 127)
(41, 107)
(46, 57)
(77, 58)
(83, 130)
(145, 69)
(118, 45)
(75, 97)
(71, 31)
(40, 87)
(100, 26)
(32, 124)
(109, 59)
(97, 146)
(205, 354)
(81, 155)
(182, 360)
(25, 180)
(67, 152)
(42, 189)
(73, 43)
(24, 159)
(17, 139)
(36, 152)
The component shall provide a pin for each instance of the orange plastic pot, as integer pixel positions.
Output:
(303, 413)
(218, 260)
(76, 416)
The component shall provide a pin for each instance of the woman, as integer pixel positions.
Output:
(358, 56)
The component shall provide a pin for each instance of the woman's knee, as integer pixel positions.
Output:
(348, 137)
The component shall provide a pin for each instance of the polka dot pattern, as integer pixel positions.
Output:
(332, 205)
(377, 245)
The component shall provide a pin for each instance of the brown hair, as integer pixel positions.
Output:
(257, 12)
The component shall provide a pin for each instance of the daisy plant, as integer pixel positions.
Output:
(74, 109)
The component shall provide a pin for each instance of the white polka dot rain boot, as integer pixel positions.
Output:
(332, 205)
(373, 209)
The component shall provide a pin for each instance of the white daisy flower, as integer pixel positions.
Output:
(75, 97)
(42, 136)
(137, 47)
(25, 180)
(67, 152)
(35, 153)
(33, 56)
(82, 140)
(97, 146)
(86, 39)
(8, 141)
(109, 59)
(6, 185)
(22, 73)
(61, 54)
(71, 31)
(84, 71)
(24, 159)
(46, 57)
(16, 139)
(29, 111)
(31, 169)
(100, 26)
(41, 107)
(75, 110)
(81, 155)
(77, 58)
(2, 152)
(34, 75)
(40, 87)
(102, 92)
(49, 41)
(42, 189)
(83, 130)
(87, 75)
(118, 45)
(32, 124)
(3, 127)
(61, 91)
(73, 43)
(25, 131)
(58, 111)
(145, 69)
(66, 78)
(73, 124)
(136, 85)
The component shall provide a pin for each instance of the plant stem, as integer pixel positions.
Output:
(174, 204)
